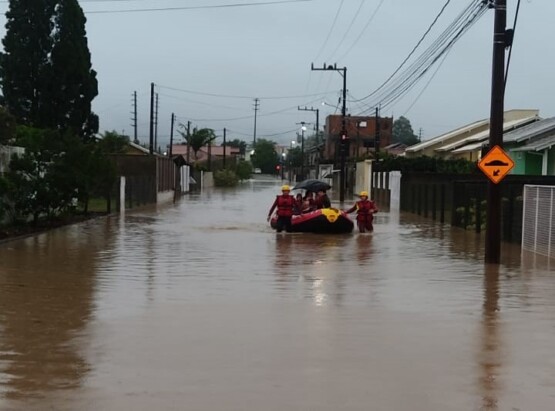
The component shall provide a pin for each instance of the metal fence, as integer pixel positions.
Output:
(538, 225)
(461, 199)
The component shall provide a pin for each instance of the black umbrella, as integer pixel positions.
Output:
(312, 185)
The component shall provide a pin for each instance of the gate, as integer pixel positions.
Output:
(538, 227)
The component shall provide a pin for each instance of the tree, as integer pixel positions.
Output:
(294, 157)
(73, 83)
(243, 170)
(113, 143)
(24, 64)
(45, 70)
(265, 156)
(198, 138)
(7, 126)
(402, 132)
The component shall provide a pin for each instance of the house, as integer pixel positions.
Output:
(361, 131)
(216, 152)
(532, 148)
(467, 141)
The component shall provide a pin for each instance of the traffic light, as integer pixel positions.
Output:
(278, 167)
(344, 139)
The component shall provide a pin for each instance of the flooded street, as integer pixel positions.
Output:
(201, 306)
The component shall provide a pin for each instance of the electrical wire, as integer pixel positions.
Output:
(511, 48)
(218, 6)
(407, 79)
(330, 31)
(200, 93)
(349, 28)
(412, 51)
(363, 30)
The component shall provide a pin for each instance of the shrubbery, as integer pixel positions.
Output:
(225, 178)
(243, 170)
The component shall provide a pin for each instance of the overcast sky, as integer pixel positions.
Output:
(209, 64)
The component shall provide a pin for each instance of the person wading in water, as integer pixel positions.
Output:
(284, 204)
(365, 212)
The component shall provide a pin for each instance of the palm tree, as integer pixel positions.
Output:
(198, 138)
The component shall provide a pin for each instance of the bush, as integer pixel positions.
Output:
(225, 178)
(243, 170)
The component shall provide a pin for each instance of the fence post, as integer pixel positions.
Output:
(478, 211)
(122, 194)
(434, 201)
(426, 200)
(442, 204)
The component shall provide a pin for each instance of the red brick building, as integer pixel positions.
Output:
(360, 129)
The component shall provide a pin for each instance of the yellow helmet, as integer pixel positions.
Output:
(285, 188)
(363, 194)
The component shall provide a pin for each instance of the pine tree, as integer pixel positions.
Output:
(74, 84)
(25, 60)
(45, 70)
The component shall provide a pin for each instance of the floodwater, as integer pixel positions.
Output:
(200, 306)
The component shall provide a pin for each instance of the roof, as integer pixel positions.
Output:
(531, 131)
(484, 135)
(512, 118)
(461, 130)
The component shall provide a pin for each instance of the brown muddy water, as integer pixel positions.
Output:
(201, 306)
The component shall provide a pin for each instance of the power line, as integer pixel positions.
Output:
(240, 96)
(330, 30)
(412, 51)
(349, 28)
(363, 30)
(218, 6)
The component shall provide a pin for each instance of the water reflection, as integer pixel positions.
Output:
(46, 294)
(490, 348)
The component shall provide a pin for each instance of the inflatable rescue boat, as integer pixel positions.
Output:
(325, 220)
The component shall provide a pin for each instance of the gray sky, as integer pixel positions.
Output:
(266, 52)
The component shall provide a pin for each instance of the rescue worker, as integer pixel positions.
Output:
(322, 200)
(308, 202)
(365, 212)
(284, 204)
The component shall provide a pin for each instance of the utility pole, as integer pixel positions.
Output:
(377, 141)
(317, 128)
(224, 145)
(134, 118)
(493, 223)
(188, 143)
(256, 108)
(303, 129)
(344, 138)
(420, 135)
(151, 130)
(156, 125)
(171, 135)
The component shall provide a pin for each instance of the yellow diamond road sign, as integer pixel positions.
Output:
(496, 164)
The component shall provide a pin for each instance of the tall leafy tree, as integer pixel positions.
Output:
(402, 132)
(74, 84)
(24, 64)
(265, 156)
(7, 126)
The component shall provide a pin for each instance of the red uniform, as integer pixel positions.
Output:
(284, 204)
(365, 214)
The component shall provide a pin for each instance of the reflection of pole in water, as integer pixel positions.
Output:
(490, 358)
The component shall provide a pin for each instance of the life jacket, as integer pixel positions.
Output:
(285, 205)
(364, 207)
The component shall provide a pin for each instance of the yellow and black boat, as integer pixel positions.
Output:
(322, 221)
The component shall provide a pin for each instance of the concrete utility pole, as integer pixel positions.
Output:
(188, 144)
(256, 108)
(344, 138)
(224, 145)
(493, 223)
(317, 129)
(377, 141)
(134, 119)
(171, 135)
(156, 125)
(151, 128)
(303, 129)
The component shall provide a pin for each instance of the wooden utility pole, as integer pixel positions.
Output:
(156, 125)
(256, 108)
(188, 144)
(493, 223)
